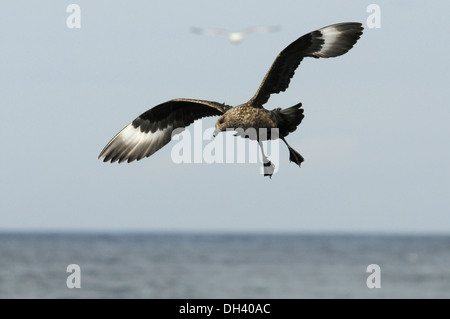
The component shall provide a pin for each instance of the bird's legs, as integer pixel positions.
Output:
(267, 165)
(294, 156)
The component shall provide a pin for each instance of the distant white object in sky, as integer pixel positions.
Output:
(235, 37)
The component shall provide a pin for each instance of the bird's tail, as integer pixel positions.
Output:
(290, 119)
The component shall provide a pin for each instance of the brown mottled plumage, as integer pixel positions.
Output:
(245, 116)
(153, 129)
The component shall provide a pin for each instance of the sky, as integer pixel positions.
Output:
(375, 135)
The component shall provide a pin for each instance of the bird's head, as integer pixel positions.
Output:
(221, 125)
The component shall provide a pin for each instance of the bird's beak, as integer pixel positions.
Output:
(216, 131)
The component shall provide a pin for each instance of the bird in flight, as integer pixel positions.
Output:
(153, 129)
(235, 37)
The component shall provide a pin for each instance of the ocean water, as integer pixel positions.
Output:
(223, 266)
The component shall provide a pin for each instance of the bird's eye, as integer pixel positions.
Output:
(220, 121)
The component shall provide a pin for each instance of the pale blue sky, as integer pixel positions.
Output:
(375, 136)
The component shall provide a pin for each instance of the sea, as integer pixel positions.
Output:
(225, 266)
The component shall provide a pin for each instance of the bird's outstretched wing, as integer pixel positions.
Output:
(331, 41)
(153, 129)
(210, 31)
(262, 29)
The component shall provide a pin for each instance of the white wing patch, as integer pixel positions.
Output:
(330, 35)
(337, 40)
(132, 144)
